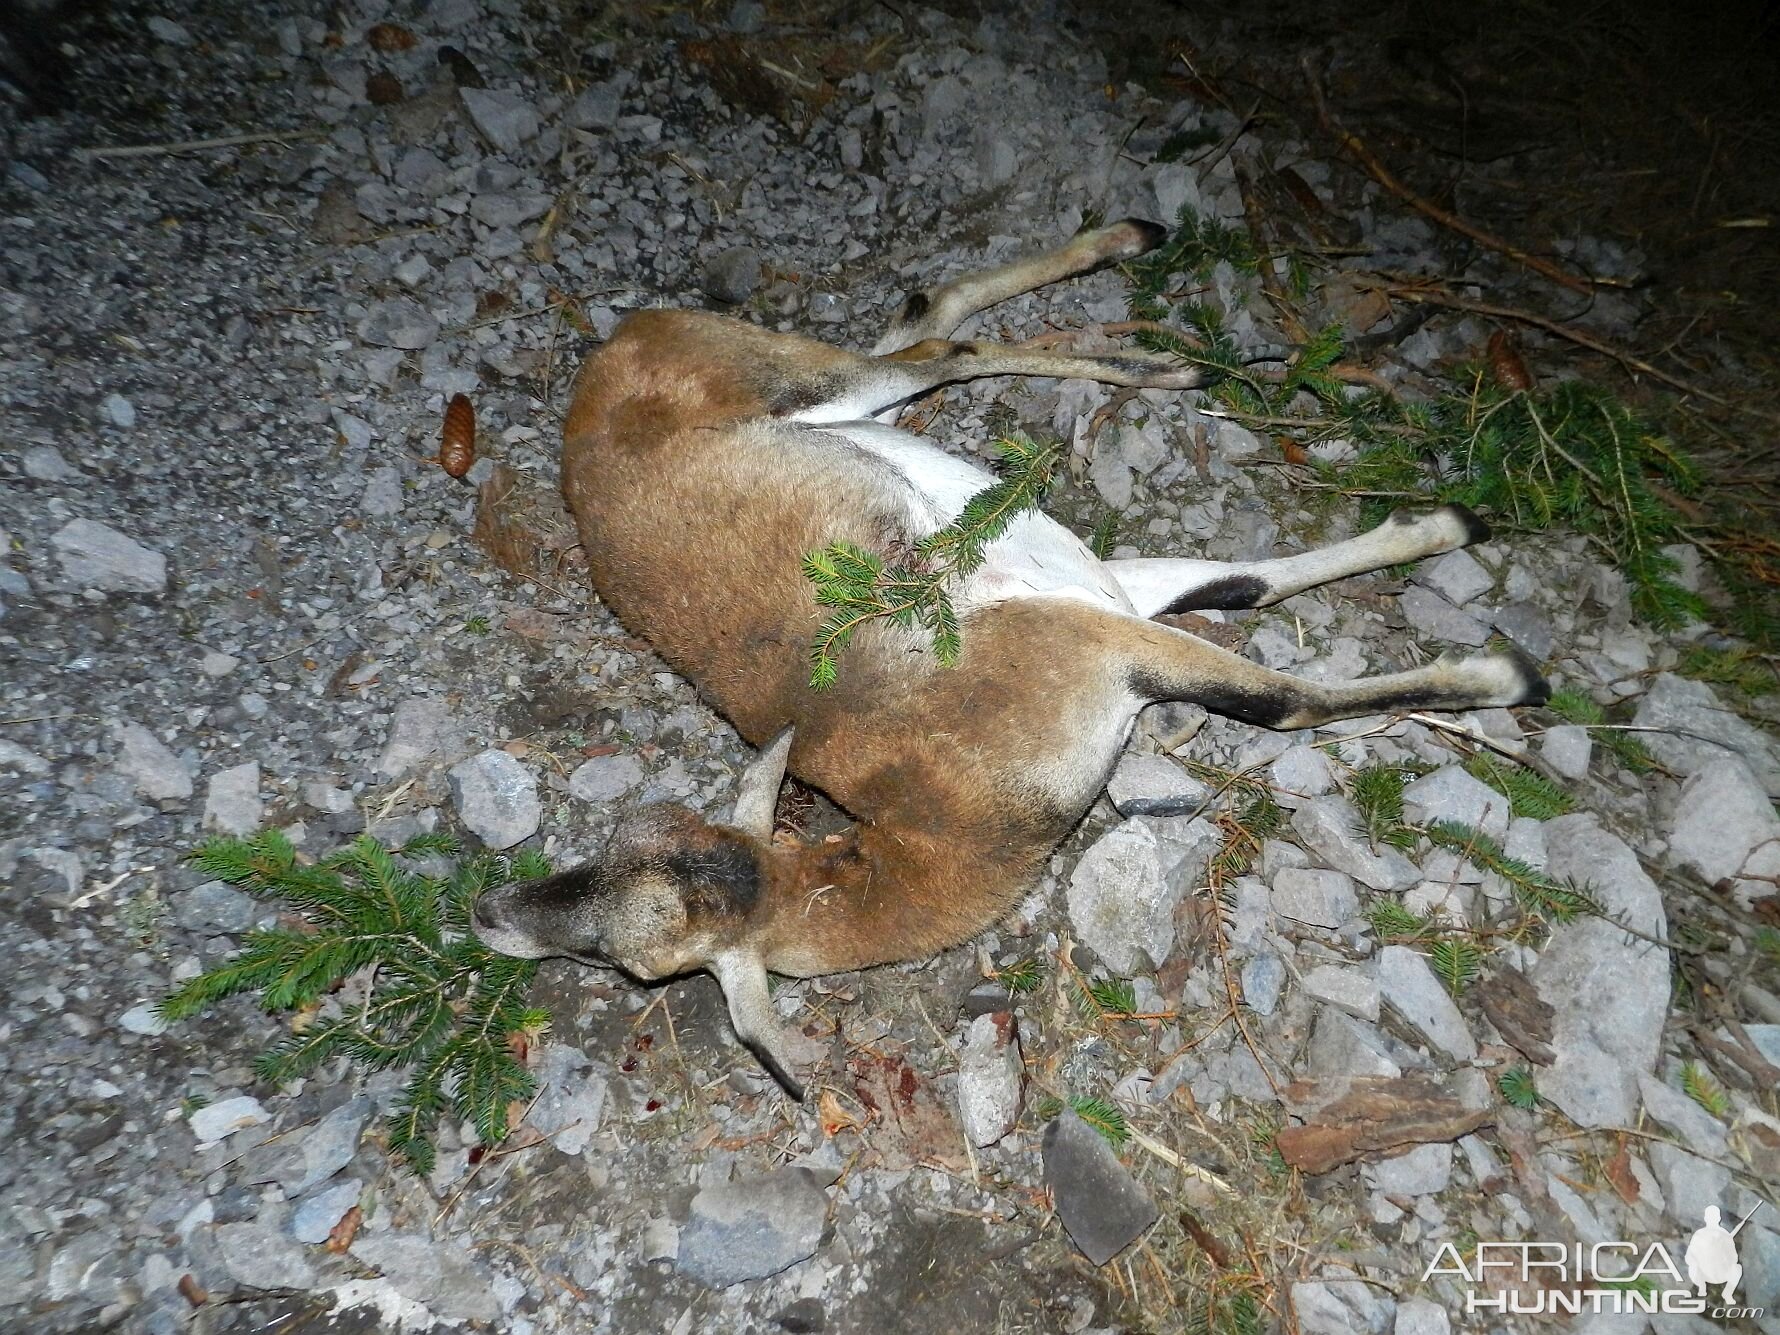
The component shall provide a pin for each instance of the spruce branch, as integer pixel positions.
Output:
(1528, 792)
(862, 587)
(1538, 894)
(436, 1001)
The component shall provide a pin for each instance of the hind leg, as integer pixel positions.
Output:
(1145, 662)
(1157, 585)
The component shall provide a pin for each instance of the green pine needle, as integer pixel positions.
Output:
(1392, 922)
(1114, 996)
(1578, 707)
(862, 587)
(1377, 792)
(440, 1005)
(1456, 961)
(1538, 894)
(1740, 668)
(1528, 793)
(1699, 1086)
(1022, 976)
(1097, 1113)
(1516, 1088)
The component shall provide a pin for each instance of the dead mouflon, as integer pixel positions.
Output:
(703, 458)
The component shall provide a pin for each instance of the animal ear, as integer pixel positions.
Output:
(743, 978)
(757, 795)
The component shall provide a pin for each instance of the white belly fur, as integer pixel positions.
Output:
(1037, 556)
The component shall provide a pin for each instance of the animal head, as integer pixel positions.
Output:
(672, 893)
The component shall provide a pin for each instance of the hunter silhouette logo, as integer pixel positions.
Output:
(1711, 1256)
(1550, 1278)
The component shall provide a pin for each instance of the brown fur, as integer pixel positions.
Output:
(710, 572)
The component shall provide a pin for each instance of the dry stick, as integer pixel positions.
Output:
(195, 145)
(1435, 297)
(1257, 226)
(1384, 176)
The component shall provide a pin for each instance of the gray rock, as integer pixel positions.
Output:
(1315, 896)
(329, 1146)
(233, 804)
(1567, 748)
(225, 1117)
(1698, 731)
(1111, 477)
(327, 799)
(315, 1216)
(496, 797)
(118, 410)
(1421, 1171)
(1725, 826)
(989, 1078)
(1450, 794)
(943, 101)
(13, 756)
(421, 730)
(1146, 785)
(1432, 617)
(142, 1020)
(1696, 1128)
(746, 16)
(1340, 1307)
(143, 759)
(572, 1099)
(1526, 841)
(214, 906)
(506, 120)
(1124, 890)
(753, 1227)
(1409, 987)
(441, 1276)
(1328, 826)
(1263, 976)
(1176, 187)
(1353, 991)
(166, 30)
(1528, 627)
(1103, 1208)
(1421, 1316)
(382, 495)
(1609, 992)
(1299, 773)
(599, 104)
(1689, 1182)
(605, 778)
(44, 463)
(259, 1256)
(661, 1240)
(1340, 1045)
(732, 275)
(399, 323)
(1456, 577)
(1145, 447)
(97, 556)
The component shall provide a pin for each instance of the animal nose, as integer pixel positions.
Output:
(483, 913)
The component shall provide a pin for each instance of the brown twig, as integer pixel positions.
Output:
(1438, 297)
(1445, 217)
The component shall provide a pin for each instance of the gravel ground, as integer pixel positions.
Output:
(235, 591)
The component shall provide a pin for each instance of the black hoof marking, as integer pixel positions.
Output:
(1475, 529)
(1534, 689)
(1228, 594)
(1149, 234)
(914, 308)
